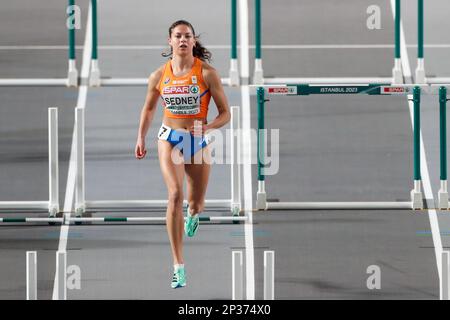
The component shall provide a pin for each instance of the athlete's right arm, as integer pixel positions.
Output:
(148, 111)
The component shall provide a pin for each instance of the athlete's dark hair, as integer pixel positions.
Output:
(198, 51)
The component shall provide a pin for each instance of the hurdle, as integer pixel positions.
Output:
(72, 74)
(96, 80)
(369, 89)
(81, 204)
(51, 205)
(258, 75)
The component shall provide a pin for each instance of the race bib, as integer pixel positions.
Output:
(182, 99)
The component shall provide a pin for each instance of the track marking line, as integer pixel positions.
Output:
(246, 152)
(71, 175)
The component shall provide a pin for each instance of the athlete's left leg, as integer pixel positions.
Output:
(197, 176)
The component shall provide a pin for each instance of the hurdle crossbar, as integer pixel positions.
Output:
(137, 82)
(31, 220)
(34, 82)
(52, 205)
(336, 80)
(81, 204)
(369, 89)
(114, 219)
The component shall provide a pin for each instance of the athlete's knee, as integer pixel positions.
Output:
(176, 197)
(196, 206)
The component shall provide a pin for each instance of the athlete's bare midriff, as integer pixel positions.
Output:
(179, 123)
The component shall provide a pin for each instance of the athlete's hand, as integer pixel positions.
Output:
(140, 150)
(197, 130)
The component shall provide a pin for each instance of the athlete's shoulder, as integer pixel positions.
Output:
(207, 67)
(209, 73)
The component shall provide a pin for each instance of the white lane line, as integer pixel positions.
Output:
(224, 46)
(247, 152)
(70, 187)
(248, 197)
(434, 223)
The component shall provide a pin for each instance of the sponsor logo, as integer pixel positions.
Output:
(176, 90)
(282, 90)
(194, 89)
(194, 79)
(179, 81)
(394, 89)
(167, 80)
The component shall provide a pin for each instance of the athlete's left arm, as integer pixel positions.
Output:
(214, 84)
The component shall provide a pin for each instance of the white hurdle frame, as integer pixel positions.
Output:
(269, 275)
(81, 204)
(52, 205)
(133, 82)
(61, 271)
(31, 275)
(237, 266)
(444, 287)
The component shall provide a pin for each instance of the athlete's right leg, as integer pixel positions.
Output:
(173, 174)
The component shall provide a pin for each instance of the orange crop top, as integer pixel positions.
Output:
(186, 96)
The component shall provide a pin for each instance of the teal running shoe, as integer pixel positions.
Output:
(191, 224)
(178, 279)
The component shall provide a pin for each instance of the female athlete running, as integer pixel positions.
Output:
(186, 84)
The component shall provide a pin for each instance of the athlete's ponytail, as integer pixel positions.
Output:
(198, 51)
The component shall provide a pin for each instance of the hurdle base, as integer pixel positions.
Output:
(95, 77)
(258, 75)
(234, 73)
(235, 209)
(79, 210)
(443, 200)
(416, 200)
(53, 210)
(72, 75)
(397, 76)
(261, 201)
(420, 76)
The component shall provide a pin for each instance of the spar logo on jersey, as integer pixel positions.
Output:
(181, 90)
(176, 90)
